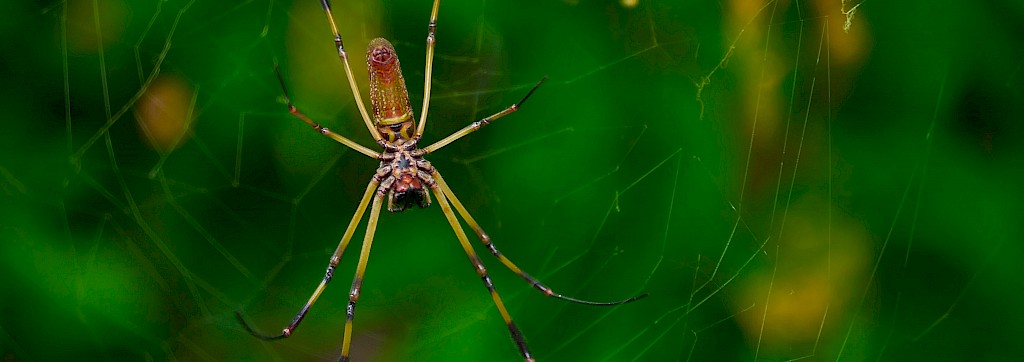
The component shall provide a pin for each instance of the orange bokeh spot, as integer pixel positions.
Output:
(164, 112)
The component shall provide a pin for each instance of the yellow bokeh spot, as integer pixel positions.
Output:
(823, 263)
(83, 17)
(164, 112)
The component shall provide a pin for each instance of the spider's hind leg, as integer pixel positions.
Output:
(505, 260)
(517, 336)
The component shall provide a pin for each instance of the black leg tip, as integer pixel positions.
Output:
(636, 298)
(253, 332)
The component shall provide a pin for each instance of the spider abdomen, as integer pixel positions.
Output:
(392, 114)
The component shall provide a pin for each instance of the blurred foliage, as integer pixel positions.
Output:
(786, 179)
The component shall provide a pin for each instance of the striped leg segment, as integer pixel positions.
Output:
(479, 124)
(431, 27)
(357, 282)
(335, 258)
(517, 336)
(348, 73)
(323, 130)
(504, 260)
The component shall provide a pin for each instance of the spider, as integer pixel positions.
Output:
(404, 177)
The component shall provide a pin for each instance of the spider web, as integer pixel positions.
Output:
(787, 179)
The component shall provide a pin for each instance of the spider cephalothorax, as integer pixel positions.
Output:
(405, 177)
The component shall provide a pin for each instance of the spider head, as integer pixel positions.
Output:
(407, 191)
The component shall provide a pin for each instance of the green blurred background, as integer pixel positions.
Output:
(786, 181)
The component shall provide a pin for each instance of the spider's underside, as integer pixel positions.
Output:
(404, 177)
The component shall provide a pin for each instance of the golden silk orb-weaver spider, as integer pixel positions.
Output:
(404, 177)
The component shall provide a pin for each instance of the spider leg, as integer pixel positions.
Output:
(357, 281)
(348, 73)
(431, 27)
(517, 336)
(335, 258)
(323, 130)
(472, 127)
(504, 260)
